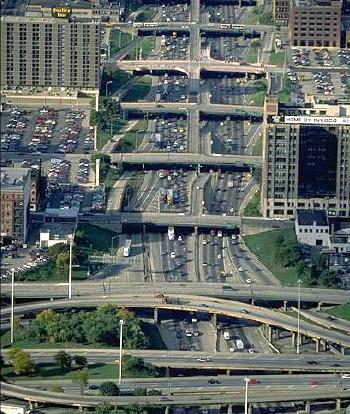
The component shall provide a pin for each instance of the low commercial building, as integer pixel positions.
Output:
(312, 228)
(15, 197)
(315, 23)
(55, 233)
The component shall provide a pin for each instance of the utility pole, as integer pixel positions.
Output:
(71, 237)
(121, 323)
(247, 380)
(298, 333)
(12, 302)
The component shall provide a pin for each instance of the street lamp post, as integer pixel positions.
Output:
(70, 237)
(298, 327)
(12, 302)
(246, 380)
(121, 323)
(107, 83)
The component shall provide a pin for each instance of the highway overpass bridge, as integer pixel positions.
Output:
(273, 321)
(241, 111)
(202, 162)
(189, 67)
(278, 295)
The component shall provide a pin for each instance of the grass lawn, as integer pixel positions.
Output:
(257, 150)
(258, 98)
(147, 45)
(104, 135)
(139, 90)
(252, 208)
(112, 176)
(252, 55)
(276, 58)
(252, 18)
(147, 15)
(284, 94)
(119, 40)
(118, 77)
(52, 371)
(341, 311)
(98, 238)
(133, 138)
(263, 246)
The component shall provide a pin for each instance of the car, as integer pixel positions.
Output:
(232, 349)
(248, 280)
(254, 381)
(336, 365)
(213, 381)
(312, 362)
(314, 383)
(345, 376)
(93, 387)
(240, 269)
(251, 351)
(201, 360)
(172, 255)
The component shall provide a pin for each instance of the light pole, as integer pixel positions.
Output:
(298, 331)
(107, 83)
(121, 323)
(246, 380)
(70, 237)
(12, 302)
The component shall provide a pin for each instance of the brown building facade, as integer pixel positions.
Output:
(315, 23)
(281, 9)
(15, 196)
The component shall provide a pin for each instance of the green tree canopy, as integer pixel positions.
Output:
(63, 360)
(109, 388)
(81, 378)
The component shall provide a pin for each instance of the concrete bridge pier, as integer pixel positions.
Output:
(156, 316)
(269, 333)
(324, 345)
(307, 406)
(319, 305)
(317, 343)
(230, 409)
(294, 339)
(215, 320)
(338, 404)
(228, 372)
(167, 410)
(342, 350)
(285, 305)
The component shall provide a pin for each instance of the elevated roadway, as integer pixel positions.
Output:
(245, 292)
(193, 303)
(183, 108)
(220, 360)
(212, 160)
(190, 399)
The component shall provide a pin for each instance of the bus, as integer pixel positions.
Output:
(171, 233)
(237, 26)
(127, 247)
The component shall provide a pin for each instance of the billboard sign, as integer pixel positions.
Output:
(312, 120)
(61, 12)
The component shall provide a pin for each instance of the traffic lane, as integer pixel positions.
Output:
(225, 360)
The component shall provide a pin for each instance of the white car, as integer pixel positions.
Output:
(345, 376)
(172, 255)
(248, 280)
(240, 269)
(232, 350)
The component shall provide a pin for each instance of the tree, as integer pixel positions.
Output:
(81, 378)
(134, 409)
(63, 360)
(62, 262)
(109, 388)
(21, 362)
(80, 360)
(154, 392)
(255, 44)
(140, 391)
(47, 315)
(56, 388)
(105, 408)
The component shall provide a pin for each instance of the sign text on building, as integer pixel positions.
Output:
(62, 12)
(316, 120)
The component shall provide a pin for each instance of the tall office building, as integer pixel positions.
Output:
(315, 23)
(50, 52)
(15, 196)
(306, 163)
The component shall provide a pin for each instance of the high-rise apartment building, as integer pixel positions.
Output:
(306, 163)
(315, 23)
(15, 196)
(50, 52)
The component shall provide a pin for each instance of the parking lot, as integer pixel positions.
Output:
(173, 191)
(232, 90)
(227, 137)
(45, 131)
(320, 57)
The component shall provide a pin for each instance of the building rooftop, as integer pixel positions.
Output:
(13, 179)
(308, 217)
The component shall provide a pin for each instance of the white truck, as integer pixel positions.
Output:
(239, 344)
(14, 409)
(227, 335)
(230, 184)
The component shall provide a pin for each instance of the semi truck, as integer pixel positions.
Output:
(239, 344)
(227, 335)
